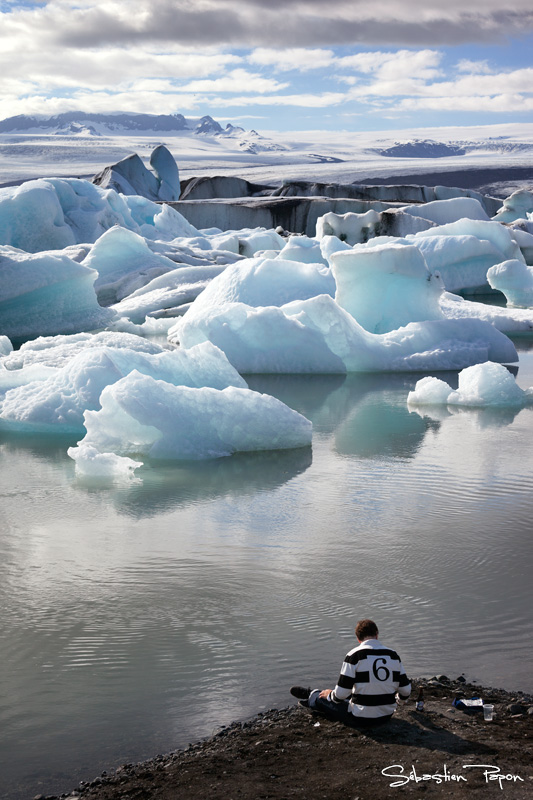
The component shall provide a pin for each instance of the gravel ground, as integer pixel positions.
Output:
(294, 753)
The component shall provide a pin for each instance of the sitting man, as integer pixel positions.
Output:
(365, 695)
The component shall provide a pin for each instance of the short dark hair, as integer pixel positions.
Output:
(365, 628)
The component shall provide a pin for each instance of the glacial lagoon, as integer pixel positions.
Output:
(139, 617)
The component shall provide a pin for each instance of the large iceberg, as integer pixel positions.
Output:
(317, 335)
(140, 415)
(129, 176)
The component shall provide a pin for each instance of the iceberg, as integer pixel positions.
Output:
(123, 262)
(167, 295)
(519, 205)
(53, 213)
(506, 320)
(141, 415)
(451, 210)
(60, 399)
(304, 249)
(56, 351)
(44, 294)
(130, 177)
(482, 385)
(103, 466)
(5, 346)
(317, 335)
(263, 282)
(350, 227)
(515, 280)
(385, 287)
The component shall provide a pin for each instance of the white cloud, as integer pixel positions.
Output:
(302, 100)
(238, 80)
(473, 67)
(501, 103)
(293, 58)
(395, 65)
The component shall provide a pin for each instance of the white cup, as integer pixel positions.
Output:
(488, 712)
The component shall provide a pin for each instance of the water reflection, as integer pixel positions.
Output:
(212, 579)
(483, 418)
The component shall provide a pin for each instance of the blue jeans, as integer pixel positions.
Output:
(340, 712)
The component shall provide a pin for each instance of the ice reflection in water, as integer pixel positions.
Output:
(136, 618)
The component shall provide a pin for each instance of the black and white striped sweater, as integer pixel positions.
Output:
(370, 677)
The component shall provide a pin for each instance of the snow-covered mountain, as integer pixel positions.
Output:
(82, 123)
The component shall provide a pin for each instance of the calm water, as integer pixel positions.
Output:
(136, 619)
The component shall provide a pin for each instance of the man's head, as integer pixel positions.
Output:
(366, 629)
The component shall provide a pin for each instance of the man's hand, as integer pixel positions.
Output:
(324, 693)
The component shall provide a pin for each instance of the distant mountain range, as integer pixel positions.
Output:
(427, 148)
(81, 123)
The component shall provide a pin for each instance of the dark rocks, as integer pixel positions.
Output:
(516, 708)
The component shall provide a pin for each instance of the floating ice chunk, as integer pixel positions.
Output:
(92, 464)
(61, 399)
(11, 378)
(493, 232)
(349, 227)
(263, 282)
(524, 240)
(486, 384)
(5, 346)
(251, 241)
(429, 392)
(332, 244)
(518, 206)
(152, 326)
(143, 415)
(386, 286)
(124, 262)
(258, 340)
(53, 213)
(507, 320)
(31, 218)
(461, 261)
(160, 221)
(43, 294)
(444, 211)
(304, 249)
(56, 351)
(167, 292)
(317, 335)
(515, 280)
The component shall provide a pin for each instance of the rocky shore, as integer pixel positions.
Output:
(294, 753)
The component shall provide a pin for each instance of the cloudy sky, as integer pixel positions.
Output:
(273, 64)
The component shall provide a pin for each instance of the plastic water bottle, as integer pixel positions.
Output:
(420, 700)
